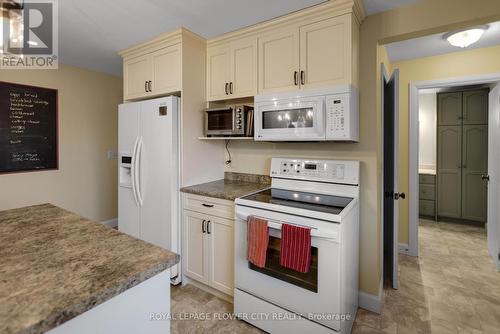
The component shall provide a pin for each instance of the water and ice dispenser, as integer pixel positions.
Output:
(126, 171)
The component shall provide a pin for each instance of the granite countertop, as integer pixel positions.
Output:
(234, 185)
(55, 265)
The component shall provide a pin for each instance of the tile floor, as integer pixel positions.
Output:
(452, 287)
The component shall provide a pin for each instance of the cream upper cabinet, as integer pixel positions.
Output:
(152, 74)
(324, 52)
(279, 61)
(243, 68)
(166, 70)
(232, 70)
(137, 74)
(218, 73)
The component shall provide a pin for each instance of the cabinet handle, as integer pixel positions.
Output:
(295, 78)
(150, 86)
(226, 89)
(230, 88)
(208, 227)
(146, 86)
(302, 77)
(203, 229)
(207, 205)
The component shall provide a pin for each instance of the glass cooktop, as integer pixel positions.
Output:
(301, 200)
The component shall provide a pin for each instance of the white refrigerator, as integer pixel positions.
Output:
(148, 190)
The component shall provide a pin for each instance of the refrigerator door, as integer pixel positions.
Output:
(158, 172)
(128, 135)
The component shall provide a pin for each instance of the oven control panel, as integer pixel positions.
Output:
(334, 171)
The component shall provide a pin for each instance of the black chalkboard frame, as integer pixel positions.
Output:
(56, 167)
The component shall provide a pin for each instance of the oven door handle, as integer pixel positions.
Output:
(332, 237)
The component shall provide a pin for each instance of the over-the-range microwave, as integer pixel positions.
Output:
(327, 114)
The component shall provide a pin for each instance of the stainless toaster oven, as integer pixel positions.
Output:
(229, 121)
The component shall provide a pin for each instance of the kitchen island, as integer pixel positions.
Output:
(62, 273)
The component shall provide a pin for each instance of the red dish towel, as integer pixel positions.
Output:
(295, 248)
(257, 241)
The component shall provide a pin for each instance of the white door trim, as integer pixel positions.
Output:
(413, 140)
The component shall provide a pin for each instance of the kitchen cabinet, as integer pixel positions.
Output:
(152, 74)
(427, 196)
(309, 55)
(232, 70)
(209, 242)
(462, 154)
(279, 61)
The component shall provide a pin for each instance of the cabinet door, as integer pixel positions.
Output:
(449, 171)
(166, 70)
(195, 255)
(449, 108)
(137, 72)
(218, 73)
(243, 68)
(324, 52)
(475, 164)
(222, 255)
(475, 107)
(278, 61)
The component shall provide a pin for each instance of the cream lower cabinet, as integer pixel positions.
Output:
(232, 70)
(152, 74)
(208, 242)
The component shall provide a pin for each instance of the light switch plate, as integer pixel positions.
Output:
(112, 155)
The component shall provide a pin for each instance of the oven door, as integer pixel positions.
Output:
(290, 120)
(219, 121)
(316, 293)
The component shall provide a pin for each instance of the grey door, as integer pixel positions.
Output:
(450, 108)
(449, 171)
(475, 165)
(475, 107)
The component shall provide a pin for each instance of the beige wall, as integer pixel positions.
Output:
(86, 181)
(458, 64)
(422, 18)
(427, 119)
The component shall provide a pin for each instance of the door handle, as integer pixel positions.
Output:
(207, 205)
(225, 89)
(485, 178)
(208, 227)
(302, 77)
(230, 88)
(138, 171)
(146, 86)
(133, 172)
(295, 78)
(150, 85)
(398, 196)
(203, 228)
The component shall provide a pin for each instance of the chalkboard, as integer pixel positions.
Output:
(28, 128)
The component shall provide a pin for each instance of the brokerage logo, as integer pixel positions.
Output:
(29, 34)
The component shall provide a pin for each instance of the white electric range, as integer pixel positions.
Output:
(319, 194)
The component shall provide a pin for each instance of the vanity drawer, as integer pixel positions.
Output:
(426, 179)
(210, 206)
(426, 208)
(427, 191)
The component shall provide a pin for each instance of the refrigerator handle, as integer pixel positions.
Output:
(133, 170)
(138, 171)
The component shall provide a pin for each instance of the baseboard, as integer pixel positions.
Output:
(371, 302)
(112, 223)
(404, 249)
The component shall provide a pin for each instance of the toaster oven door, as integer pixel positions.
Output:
(290, 120)
(219, 122)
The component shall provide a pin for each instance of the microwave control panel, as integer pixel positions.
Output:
(341, 118)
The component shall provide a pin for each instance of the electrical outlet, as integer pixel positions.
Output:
(112, 155)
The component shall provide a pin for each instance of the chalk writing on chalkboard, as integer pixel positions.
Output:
(28, 128)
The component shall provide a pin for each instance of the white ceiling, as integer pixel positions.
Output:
(91, 32)
(377, 6)
(434, 45)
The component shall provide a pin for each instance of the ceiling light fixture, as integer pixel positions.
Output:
(464, 38)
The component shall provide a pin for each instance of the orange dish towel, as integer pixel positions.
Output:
(295, 248)
(257, 241)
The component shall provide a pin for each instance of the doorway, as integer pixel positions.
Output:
(487, 132)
